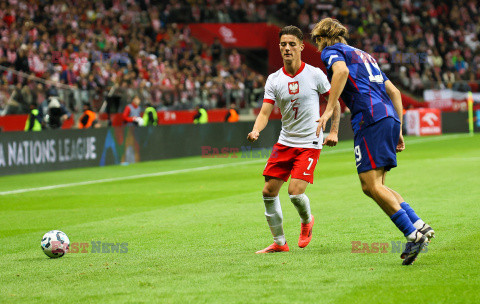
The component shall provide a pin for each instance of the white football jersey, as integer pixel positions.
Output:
(298, 99)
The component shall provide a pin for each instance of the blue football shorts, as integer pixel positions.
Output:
(375, 145)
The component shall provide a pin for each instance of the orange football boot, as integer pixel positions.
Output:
(306, 234)
(274, 248)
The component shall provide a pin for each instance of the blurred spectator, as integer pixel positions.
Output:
(21, 60)
(232, 114)
(234, 60)
(68, 76)
(33, 122)
(216, 50)
(201, 117)
(88, 119)
(131, 114)
(150, 117)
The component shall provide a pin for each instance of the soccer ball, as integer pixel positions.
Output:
(55, 244)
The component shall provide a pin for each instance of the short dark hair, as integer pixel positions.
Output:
(291, 30)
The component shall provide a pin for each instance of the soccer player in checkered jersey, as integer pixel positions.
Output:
(295, 89)
(376, 107)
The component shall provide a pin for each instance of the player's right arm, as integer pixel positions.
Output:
(267, 108)
(261, 121)
(396, 98)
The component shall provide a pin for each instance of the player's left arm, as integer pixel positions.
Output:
(339, 79)
(396, 98)
(332, 138)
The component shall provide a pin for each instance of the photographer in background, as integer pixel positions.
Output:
(57, 113)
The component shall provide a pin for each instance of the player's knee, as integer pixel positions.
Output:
(297, 187)
(269, 192)
(367, 189)
(295, 190)
(372, 190)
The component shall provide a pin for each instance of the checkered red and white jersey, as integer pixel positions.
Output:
(297, 97)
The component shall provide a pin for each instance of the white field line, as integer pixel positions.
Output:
(122, 178)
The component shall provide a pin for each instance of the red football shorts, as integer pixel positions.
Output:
(298, 162)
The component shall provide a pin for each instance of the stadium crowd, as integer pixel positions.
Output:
(114, 50)
(118, 49)
(425, 44)
(422, 43)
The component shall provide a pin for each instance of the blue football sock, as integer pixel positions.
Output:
(410, 212)
(401, 220)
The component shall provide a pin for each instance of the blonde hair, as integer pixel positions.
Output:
(329, 31)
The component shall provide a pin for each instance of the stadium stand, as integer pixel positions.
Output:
(113, 50)
(423, 44)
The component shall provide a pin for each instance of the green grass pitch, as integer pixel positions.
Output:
(192, 235)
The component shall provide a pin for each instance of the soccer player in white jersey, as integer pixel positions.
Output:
(295, 89)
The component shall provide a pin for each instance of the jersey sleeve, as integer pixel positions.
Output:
(330, 56)
(385, 78)
(269, 95)
(323, 86)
